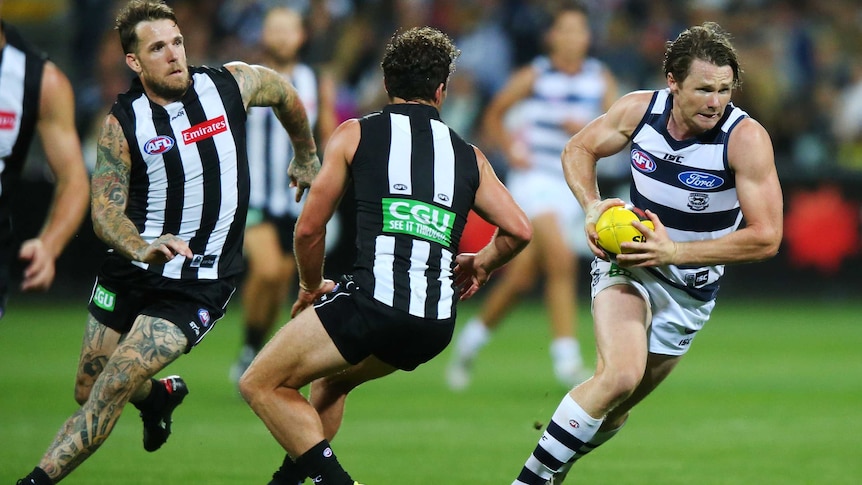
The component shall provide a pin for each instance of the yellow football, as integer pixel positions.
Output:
(615, 227)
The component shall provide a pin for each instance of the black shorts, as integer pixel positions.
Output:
(122, 292)
(361, 326)
(284, 226)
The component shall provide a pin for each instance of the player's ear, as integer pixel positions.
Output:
(133, 63)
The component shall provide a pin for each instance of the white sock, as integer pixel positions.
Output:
(474, 336)
(566, 351)
(570, 428)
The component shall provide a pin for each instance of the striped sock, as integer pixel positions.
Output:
(570, 428)
(600, 438)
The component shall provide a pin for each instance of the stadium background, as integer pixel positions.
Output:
(802, 80)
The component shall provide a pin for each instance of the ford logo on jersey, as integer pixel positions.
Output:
(700, 180)
(158, 144)
(642, 161)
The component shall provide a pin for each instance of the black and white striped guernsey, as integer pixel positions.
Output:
(270, 149)
(189, 174)
(21, 69)
(415, 181)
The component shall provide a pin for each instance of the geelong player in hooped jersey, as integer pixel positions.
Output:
(415, 181)
(169, 195)
(699, 167)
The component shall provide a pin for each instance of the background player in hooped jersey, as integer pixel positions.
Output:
(273, 206)
(36, 97)
(415, 181)
(547, 102)
(169, 196)
(699, 166)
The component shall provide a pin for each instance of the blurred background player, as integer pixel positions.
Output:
(35, 96)
(549, 100)
(273, 208)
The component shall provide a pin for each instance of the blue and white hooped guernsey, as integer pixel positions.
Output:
(689, 185)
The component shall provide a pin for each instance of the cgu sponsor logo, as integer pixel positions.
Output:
(642, 161)
(700, 180)
(202, 131)
(158, 144)
(7, 120)
(104, 299)
(419, 219)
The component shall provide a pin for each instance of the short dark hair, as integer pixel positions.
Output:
(416, 61)
(138, 11)
(707, 42)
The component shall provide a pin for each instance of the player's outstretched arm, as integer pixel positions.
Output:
(262, 86)
(495, 204)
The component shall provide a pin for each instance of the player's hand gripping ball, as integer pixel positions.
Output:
(614, 227)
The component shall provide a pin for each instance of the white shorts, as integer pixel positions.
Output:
(676, 315)
(539, 192)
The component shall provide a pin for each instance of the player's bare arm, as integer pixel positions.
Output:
(602, 137)
(262, 86)
(323, 199)
(517, 88)
(750, 155)
(56, 127)
(109, 196)
(495, 204)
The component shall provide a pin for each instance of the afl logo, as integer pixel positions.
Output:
(700, 180)
(399, 187)
(158, 145)
(642, 161)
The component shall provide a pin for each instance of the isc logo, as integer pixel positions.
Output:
(159, 144)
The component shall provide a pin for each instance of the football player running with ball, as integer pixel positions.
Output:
(699, 166)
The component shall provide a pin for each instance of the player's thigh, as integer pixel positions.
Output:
(621, 317)
(341, 383)
(98, 344)
(151, 344)
(300, 352)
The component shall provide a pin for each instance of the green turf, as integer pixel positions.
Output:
(771, 393)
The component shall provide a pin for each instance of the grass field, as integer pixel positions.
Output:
(771, 393)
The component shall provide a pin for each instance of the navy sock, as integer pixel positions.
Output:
(322, 466)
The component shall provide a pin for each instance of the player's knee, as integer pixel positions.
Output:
(619, 384)
(249, 387)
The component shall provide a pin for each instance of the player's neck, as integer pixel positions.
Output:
(567, 63)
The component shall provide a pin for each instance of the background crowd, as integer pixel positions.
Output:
(802, 58)
(802, 62)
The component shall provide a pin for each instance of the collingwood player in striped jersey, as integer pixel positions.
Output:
(272, 212)
(36, 97)
(699, 165)
(169, 195)
(415, 181)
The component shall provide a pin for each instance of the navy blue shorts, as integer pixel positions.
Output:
(361, 326)
(122, 292)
